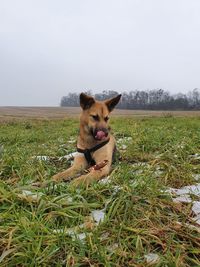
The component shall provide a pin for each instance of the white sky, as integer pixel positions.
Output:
(49, 48)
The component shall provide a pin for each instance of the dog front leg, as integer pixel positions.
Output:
(78, 166)
(92, 176)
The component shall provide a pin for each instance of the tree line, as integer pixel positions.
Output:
(157, 99)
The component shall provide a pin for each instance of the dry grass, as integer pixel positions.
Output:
(21, 113)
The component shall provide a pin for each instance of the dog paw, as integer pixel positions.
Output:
(83, 181)
(56, 178)
(59, 177)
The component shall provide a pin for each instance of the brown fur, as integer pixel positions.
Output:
(86, 140)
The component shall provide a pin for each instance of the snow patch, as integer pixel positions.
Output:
(35, 196)
(196, 176)
(190, 189)
(43, 158)
(183, 195)
(113, 247)
(196, 207)
(105, 180)
(195, 156)
(98, 215)
(71, 156)
(182, 199)
(152, 258)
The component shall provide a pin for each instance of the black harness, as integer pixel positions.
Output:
(87, 152)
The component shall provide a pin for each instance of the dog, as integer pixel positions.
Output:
(95, 144)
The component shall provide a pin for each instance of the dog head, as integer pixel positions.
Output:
(95, 115)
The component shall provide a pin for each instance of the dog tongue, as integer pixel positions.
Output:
(100, 135)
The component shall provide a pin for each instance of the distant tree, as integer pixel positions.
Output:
(156, 99)
(71, 100)
(194, 98)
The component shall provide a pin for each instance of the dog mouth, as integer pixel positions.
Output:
(100, 134)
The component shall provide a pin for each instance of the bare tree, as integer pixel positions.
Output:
(156, 99)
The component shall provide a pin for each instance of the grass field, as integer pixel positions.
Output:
(60, 225)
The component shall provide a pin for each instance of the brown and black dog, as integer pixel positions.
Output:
(95, 143)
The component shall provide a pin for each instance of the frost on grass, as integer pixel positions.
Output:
(195, 156)
(73, 232)
(71, 141)
(42, 158)
(105, 180)
(97, 216)
(69, 156)
(112, 247)
(141, 167)
(31, 196)
(123, 147)
(123, 143)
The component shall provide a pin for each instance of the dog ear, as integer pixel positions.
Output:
(111, 103)
(86, 101)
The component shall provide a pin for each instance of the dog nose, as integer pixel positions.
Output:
(105, 131)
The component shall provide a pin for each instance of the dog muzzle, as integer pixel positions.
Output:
(100, 134)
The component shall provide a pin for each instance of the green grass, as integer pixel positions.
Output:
(140, 218)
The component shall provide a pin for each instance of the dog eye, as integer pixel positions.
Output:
(106, 118)
(95, 117)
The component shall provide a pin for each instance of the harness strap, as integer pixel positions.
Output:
(87, 152)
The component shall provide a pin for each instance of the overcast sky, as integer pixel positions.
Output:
(49, 48)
